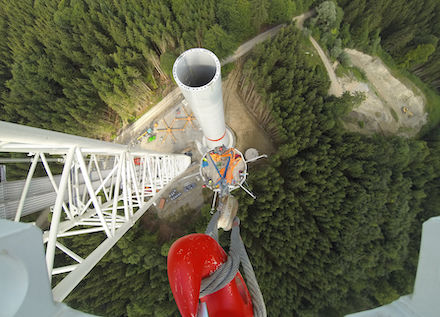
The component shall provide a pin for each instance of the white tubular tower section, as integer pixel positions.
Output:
(108, 207)
(197, 72)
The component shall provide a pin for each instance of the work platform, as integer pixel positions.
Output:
(223, 169)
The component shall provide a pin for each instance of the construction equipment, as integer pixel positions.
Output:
(405, 110)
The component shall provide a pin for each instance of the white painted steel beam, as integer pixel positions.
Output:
(39, 138)
(67, 284)
(50, 249)
(41, 193)
(26, 187)
(197, 73)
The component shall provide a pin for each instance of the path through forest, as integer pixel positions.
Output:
(379, 113)
(335, 87)
(247, 46)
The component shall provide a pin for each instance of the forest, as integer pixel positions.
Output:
(407, 30)
(338, 213)
(88, 67)
(337, 223)
(64, 62)
(336, 226)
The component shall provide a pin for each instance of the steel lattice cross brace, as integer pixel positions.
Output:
(129, 182)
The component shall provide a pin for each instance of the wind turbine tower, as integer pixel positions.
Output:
(197, 72)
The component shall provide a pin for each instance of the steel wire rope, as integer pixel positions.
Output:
(227, 271)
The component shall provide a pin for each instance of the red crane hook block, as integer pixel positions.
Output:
(194, 257)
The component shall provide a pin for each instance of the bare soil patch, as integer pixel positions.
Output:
(247, 131)
(386, 99)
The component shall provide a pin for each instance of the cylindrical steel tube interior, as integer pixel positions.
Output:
(196, 68)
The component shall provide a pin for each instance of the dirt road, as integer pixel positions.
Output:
(301, 18)
(247, 46)
(335, 86)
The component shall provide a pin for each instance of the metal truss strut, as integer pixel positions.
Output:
(109, 206)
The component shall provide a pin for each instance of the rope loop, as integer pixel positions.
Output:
(227, 271)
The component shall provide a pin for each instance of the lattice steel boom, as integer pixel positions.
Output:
(110, 206)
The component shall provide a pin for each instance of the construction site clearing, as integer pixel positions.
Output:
(223, 169)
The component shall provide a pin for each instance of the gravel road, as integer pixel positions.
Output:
(335, 87)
